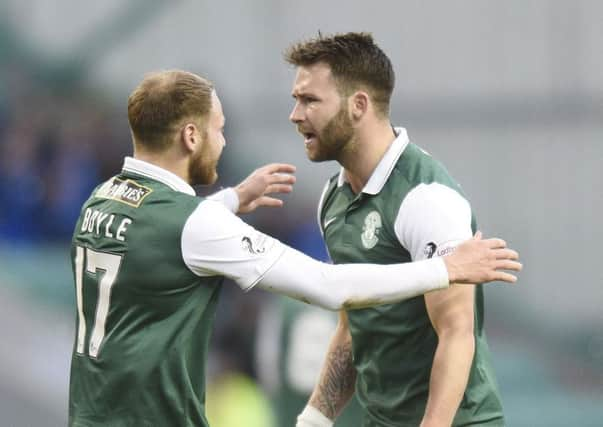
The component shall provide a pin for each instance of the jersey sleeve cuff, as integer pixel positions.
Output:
(228, 197)
(442, 280)
(312, 417)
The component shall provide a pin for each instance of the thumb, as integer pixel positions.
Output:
(477, 235)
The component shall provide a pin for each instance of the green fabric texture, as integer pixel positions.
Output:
(394, 345)
(150, 366)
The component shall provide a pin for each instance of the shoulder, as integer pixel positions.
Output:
(208, 224)
(417, 166)
(419, 180)
(432, 216)
(141, 192)
(209, 214)
(165, 210)
(433, 196)
(163, 197)
(433, 209)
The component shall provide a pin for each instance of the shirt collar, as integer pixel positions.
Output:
(385, 166)
(140, 167)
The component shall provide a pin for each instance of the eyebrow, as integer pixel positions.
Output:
(298, 94)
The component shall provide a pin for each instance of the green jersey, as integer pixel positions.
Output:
(148, 260)
(410, 209)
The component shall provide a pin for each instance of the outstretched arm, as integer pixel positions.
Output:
(342, 286)
(216, 242)
(336, 383)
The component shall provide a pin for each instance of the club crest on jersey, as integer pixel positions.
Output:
(129, 192)
(370, 230)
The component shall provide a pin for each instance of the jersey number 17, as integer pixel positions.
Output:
(109, 265)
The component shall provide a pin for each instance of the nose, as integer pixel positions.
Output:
(296, 115)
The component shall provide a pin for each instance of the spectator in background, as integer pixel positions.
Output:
(73, 170)
(22, 185)
(48, 166)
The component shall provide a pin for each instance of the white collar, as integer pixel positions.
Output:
(384, 167)
(140, 167)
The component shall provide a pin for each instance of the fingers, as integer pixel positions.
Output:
(278, 188)
(506, 264)
(495, 243)
(505, 254)
(279, 168)
(502, 276)
(281, 178)
(269, 201)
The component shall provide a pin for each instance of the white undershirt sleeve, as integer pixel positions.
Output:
(343, 286)
(433, 219)
(215, 242)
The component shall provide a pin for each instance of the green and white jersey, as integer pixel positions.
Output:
(410, 209)
(148, 260)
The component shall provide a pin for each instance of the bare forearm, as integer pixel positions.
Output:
(449, 376)
(337, 379)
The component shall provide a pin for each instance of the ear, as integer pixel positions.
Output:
(190, 137)
(359, 104)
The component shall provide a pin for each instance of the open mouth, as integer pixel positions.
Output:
(309, 137)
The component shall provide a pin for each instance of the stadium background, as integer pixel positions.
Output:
(509, 95)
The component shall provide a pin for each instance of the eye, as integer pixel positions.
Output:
(306, 99)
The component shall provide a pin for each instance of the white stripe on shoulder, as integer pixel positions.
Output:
(319, 208)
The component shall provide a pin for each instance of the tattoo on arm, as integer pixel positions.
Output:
(337, 381)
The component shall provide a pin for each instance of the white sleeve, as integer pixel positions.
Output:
(216, 242)
(433, 219)
(343, 286)
(228, 197)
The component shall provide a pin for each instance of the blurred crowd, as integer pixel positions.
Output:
(55, 146)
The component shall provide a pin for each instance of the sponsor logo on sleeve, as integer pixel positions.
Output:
(430, 249)
(256, 246)
(126, 191)
(445, 251)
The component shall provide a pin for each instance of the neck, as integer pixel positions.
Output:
(166, 160)
(370, 144)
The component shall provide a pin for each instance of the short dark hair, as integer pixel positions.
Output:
(162, 101)
(355, 61)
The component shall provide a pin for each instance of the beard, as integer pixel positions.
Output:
(334, 138)
(202, 166)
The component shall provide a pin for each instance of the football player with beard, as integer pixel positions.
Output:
(425, 360)
(149, 258)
